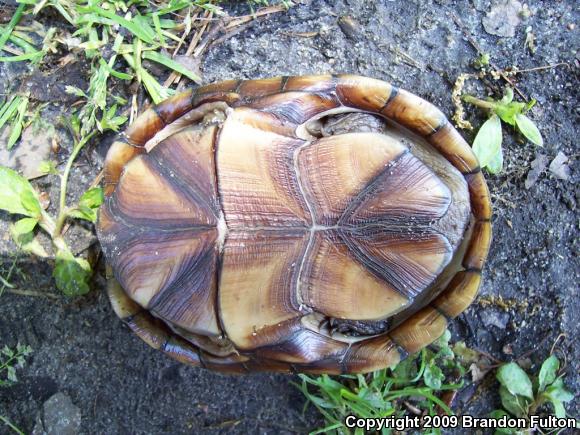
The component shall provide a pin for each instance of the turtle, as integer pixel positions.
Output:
(315, 224)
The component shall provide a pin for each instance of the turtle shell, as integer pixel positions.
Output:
(246, 232)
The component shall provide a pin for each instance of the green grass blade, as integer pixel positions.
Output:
(141, 31)
(8, 110)
(114, 73)
(11, 25)
(21, 57)
(171, 64)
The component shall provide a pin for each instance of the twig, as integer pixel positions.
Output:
(412, 408)
(226, 28)
(562, 335)
(489, 356)
(538, 68)
(480, 52)
(31, 293)
(407, 58)
(97, 179)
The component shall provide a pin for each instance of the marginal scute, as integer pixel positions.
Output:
(233, 364)
(259, 88)
(144, 128)
(414, 113)
(363, 93)
(181, 351)
(371, 354)
(478, 246)
(310, 83)
(122, 305)
(451, 144)
(304, 346)
(119, 154)
(480, 201)
(149, 329)
(174, 107)
(459, 294)
(419, 330)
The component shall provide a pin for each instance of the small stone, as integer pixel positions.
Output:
(59, 417)
(350, 27)
(559, 166)
(503, 18)
(26, 156)
(538, 165)
(495, 318)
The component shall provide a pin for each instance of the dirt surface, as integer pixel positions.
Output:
(529, 294)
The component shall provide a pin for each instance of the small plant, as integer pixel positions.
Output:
(412, 387)
(487, 142)
(12, 112)
(522, 395)
(10, 360)
(17, 196)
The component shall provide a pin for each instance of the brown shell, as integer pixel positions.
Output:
(238, 237)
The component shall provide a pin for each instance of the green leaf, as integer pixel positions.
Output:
(508, 97)
(433, 376)
(488, 141)
(516, 405)
(548, 372)
(71, 274)
(92, 198)
(83, 212)
(28, 242)
(466, 354)
(496, 164)
(559, 409)
(11, 374)
(443, 341)
(48, 167)
(557, 391)
(88, 203)
(497, 414)
(16, 194)
(31, 203)
(529, 129)
(515, 380)
(558, 395)
(508, 112)
(25, 226)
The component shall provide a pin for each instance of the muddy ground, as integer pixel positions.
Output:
(529, 294)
